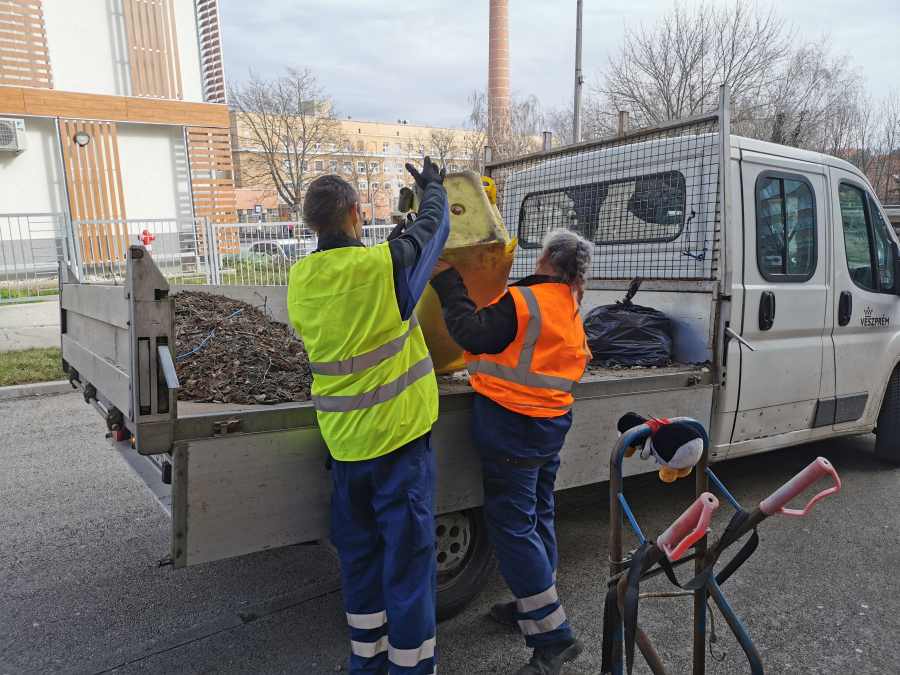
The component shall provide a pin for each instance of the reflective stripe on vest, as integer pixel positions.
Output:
(378, 395)
(357, 364)
(521, 373)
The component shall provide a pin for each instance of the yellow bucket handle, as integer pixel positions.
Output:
(490, 188)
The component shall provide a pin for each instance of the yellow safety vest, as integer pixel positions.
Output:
(374, 387)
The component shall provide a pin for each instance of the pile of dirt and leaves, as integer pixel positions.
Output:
(231, 352)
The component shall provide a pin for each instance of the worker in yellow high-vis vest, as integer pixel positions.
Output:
(376, 399)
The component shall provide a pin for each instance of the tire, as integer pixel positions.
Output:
(465, 558)
(887, 430)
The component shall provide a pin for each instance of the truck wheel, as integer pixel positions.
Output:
(465, 559)
(887, 430)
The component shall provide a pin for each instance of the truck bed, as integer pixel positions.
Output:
(594, 381)
(243, 478)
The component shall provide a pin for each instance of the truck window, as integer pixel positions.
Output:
(786, 227)
(634, 210)
(883, 255)
(866, 241)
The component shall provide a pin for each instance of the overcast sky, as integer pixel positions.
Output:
(382, 61)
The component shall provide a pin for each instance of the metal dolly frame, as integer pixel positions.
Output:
(703, 556)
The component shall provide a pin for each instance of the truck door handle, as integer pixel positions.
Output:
(766, 310)
(845, 308)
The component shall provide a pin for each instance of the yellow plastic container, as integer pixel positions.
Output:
(480, 249)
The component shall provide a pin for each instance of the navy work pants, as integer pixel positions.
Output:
(520, 458)
(382, 524)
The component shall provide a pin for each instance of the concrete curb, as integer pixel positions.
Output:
(38, 389)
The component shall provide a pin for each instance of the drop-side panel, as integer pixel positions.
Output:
(248, 492)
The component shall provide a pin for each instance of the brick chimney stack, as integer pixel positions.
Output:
(498, 76)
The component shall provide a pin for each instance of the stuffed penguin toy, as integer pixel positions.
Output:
(676, 446)
(627, 422)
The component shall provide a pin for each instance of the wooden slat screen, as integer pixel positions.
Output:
(153, 48)
(24, 58)
(211, 51)
(212, 181)
(94, 181)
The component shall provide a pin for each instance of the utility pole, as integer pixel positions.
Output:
(579, 78)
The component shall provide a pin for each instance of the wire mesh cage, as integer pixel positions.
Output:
(649, 201)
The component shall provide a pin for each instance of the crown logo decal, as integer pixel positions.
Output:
(868, 311)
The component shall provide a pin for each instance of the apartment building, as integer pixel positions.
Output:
(371, 155)
(113, 110)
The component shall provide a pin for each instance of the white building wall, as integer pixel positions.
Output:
(31, 182)
(151, 157)
(88, 47)
(154, 171)
(189, 50)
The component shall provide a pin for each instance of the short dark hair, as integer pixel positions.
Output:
(328, 200)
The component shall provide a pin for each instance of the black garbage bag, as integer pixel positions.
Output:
(625, 334)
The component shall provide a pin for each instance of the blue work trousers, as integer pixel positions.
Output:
(520, 458)
(382, 524)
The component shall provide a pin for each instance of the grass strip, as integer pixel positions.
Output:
(28, 366)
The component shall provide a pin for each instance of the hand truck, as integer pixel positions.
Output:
(621, 630)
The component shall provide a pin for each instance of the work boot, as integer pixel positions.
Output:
(550, 659)
(505, 613)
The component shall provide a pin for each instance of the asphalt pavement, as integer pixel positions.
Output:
(80, 590)
(25, 338)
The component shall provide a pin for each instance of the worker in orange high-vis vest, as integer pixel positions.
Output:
(524, 353)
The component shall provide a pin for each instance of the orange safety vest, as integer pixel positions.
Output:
(535, 374)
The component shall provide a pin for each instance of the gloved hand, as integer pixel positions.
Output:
(431, 173)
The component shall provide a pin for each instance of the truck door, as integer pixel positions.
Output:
(866, 307)
(785, 291)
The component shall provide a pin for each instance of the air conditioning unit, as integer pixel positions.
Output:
(12, 135)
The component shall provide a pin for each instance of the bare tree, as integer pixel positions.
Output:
(442, 142)
(673, 68)
(364, 166)
(283, 126)
(882, 161)
(525, 125)
(798, 106)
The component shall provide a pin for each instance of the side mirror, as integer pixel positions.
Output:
(895, 254)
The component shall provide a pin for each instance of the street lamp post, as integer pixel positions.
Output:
(579, 78)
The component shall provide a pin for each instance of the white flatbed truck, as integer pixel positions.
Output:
(777, 266)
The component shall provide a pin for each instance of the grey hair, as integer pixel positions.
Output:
(569, 254)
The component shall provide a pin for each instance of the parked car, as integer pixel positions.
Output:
(278, 248)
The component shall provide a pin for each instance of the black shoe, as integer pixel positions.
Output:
(505, 613)
(550, 659)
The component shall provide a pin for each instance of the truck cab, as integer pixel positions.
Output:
(817, 299)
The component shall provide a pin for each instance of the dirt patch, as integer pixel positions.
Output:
(246, 357)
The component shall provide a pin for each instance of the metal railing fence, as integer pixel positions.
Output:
(187, 251)
(261, 254)
(178, 247)
(30, 248)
